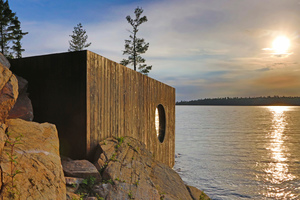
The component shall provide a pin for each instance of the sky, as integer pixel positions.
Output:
(202, 48)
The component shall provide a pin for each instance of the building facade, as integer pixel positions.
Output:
(90, 98)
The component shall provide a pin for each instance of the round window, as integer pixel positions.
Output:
(160, 123)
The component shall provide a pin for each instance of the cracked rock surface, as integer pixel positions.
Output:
(129, 171)
(37, 159)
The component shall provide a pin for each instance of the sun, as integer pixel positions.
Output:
(281, 45)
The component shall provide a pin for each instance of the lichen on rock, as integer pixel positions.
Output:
(37, 160)
(129, 171)
(31, 166)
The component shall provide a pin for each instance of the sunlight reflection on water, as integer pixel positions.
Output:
(240, 153)
(277, 171)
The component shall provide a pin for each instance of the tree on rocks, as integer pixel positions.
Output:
(135, 46)
(10, 32)
(79, 39)
(18, 35)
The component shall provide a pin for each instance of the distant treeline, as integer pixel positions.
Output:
(242, 101)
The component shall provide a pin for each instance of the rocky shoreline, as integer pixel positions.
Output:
(31, 166)
(128, 171)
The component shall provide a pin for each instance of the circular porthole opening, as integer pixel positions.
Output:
(160, 123)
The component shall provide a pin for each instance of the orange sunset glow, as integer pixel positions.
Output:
(204, 49)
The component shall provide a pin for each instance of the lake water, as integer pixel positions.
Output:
(240, 152)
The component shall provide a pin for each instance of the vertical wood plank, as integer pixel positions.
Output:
(88, 104)
(113, 100)
(102, 93)
(122, 102)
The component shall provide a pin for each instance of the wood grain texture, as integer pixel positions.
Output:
(91, 98)
(122, 102)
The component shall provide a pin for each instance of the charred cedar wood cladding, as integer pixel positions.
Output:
(90, 98)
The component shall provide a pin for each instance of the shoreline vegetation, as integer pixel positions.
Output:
(245, 101)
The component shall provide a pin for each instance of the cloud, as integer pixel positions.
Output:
(203, 48)
(263, 69)
(51, 38)
(279, 81)
(282, 55)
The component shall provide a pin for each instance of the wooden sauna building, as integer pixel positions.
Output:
(90, 98)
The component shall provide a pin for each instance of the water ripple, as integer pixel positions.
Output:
(240, 152)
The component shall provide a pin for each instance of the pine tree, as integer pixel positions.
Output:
(18, 35)
(10, 31)
(136, 46)
(6, 16)
(79, 39)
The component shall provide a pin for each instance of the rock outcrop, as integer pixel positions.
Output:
(79, 168)
(8, 92)
(3, 138)
(129, 171)
(31, 167)
(4, 61)
(197, 194)
(35, 172)
(23, 107)
(8, 96)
